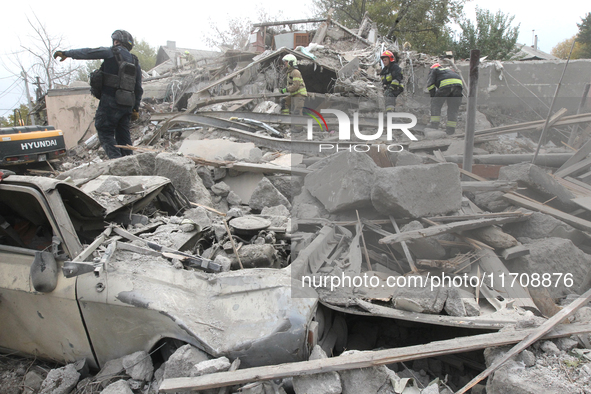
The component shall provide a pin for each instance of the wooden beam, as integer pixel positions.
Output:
(574, 221)
(578, 156)
(581, 165)
(364, 359)
(488, 186)
(267, 168)
(531, 338)
(449, 228)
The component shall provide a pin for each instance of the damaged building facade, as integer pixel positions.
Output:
(232, 253)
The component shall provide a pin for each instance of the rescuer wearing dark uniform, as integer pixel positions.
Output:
(118, 85)
(392, 78)
(444, 85)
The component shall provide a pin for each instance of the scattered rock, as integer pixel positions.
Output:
(182, 173)
(324, 383)
(60, 380)
(220, 189)
(138, 366)
(211, 366)
(409, 191)
(550, 347)
(119, 387)
(266, 195)
(182, 362)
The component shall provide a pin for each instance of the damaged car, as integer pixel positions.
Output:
(77, 284)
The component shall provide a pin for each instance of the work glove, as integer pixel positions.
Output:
(284, 90)
(135, 115)
(61, 55)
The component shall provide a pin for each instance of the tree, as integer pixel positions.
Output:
(562, 49)
(492, 34)
(22, 115)
(145, 54)
(423, 23)
(584, 36)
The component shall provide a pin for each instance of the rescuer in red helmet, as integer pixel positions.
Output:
(392, 78)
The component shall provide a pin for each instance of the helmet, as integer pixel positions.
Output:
(436, 65)
(388, 54)
(124, 38)
(290, 59)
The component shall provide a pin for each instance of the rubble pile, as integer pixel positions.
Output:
(398, 251)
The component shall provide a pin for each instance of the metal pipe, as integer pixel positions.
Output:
(471, 116)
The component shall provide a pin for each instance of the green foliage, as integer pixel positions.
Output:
(89, 66)
(562, 49)
(492, 34)
(24, 115)
(145, 54)
(422, 23)
(584, 36)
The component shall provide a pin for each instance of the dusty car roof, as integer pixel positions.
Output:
(71, 194)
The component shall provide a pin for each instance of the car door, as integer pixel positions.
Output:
(46, 324)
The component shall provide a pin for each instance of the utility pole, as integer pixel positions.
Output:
(25, 77)
(471, 115)
(38, 92)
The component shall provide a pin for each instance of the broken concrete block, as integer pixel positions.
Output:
(283, 183)
(279, 210)
(110, 369)
(182, 362)
(457, 148)
(424, 248)
(491, 201)
(554, 255)
(527, 357)
(550, 347)
(349, 69)
(566, 344)
(60, 380)
(210, 149)
(306, 206)
(494, 236)
(182, 173)
(410, 191)
(323, 383)
(125, 166)
(206, 176)
(539, 185)
(211, 366)
(363, 380)
(111, 186)
(539, 226)
(147, 162)
(344, 183)
(461, 303)
(267, 195)
(119, 387)
(138, 366)
(32, 383)
(220, 189)
(244, 184)
(404, 158)
(199, 216)
(219, 173)
(418, 298)
(233, 199)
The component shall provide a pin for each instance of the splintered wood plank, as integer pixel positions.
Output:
(449, 228)
(365, 359)
(574, 221)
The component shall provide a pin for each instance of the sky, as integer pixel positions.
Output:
(187, 22)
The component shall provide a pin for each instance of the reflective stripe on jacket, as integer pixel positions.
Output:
(442, 77)
(392, 76)
(295, 83)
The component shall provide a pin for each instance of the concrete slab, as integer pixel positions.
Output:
(243, 185)
(210, 149)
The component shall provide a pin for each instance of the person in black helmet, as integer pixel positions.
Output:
(118, 84)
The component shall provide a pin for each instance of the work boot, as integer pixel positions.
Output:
(450, 130)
